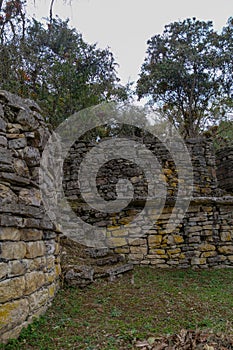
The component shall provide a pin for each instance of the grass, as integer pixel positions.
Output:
(110, 316)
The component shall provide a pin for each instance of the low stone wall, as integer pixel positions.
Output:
(29, 248)
(203, 239)
(224, 164)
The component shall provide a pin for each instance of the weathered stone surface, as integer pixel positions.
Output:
(5, 158)
(17, 268)
(32, 156)
(12, 250)
(3, 141)
(30, 196)
(9, 234)
(20, 167)
(35, 249)
(79, 276)
(28, 278)
(206, 247)
(13, 314)
(227, 249)
(12, 289)
(38, 299)
(155, 240)
(7, 195)
(31, 235)
(33, 281)
(2, 122)
(4, 269)
(20, 142)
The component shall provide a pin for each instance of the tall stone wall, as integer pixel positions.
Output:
(29, 247)
(203, 162)
(224, 163)
(204, 237)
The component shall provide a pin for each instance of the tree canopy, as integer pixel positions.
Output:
(187, 74)
(52, 64)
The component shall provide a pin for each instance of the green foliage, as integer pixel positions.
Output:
(187, 74)
(53, 65)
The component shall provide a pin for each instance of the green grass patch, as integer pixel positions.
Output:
(110, 316)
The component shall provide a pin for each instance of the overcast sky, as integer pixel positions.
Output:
(126, 25)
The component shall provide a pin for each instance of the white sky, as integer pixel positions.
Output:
(126, 25)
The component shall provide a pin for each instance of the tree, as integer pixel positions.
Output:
(54, 66)
(187, 74)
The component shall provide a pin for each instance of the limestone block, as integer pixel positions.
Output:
(178, 239)
(13, 314)
(7, 195)
(208, 254)
(206, 247)
(31, 156)
(12, 334)
(9, 234)
(11, 221)
(38, 299)
(226, 236)
(31, 234)
(122, 250)
(227, 249)
(50, 277)
(138, 241)
(136, 257)
(12, 288)
(4, 269)
(157, 261)
(50, 262)
(3, 141)
(172, 252)
(36, 264)
(35, 249)
(198, 261)
(20, 167)
(20, 142)
(30, 196)
(2, 122)
(17, 268)
(138, 249)
(117, 241)
(12, 250)
(33, 281)
(155, 240)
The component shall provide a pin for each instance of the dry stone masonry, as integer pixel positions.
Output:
(204, 238)
(29, 247)
(224, 161)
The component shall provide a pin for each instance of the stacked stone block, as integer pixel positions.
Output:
(224, 163)
(29, 242)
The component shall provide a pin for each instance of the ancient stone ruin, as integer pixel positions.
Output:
(30, 244)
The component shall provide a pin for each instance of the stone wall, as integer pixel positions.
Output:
(30, 243)
(203, 162)
(29, 248)
(224, 163)
(204, 237)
